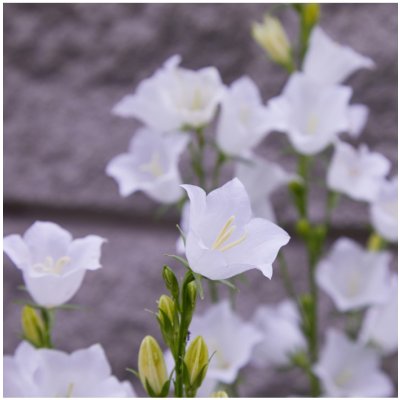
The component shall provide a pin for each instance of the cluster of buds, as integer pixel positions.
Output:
(174, 316)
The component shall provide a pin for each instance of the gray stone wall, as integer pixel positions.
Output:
(65, 66)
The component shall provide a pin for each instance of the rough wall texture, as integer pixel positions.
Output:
(65, 66)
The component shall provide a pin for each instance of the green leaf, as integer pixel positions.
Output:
(180, 259)
(133, 371)
(229, 284)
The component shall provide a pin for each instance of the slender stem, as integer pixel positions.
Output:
(212, 286)
(287, 282)
(48, 318)
(220, 160)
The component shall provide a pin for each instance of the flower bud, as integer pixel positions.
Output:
(310, 13)
(196, 361)
(271, 36)
(32, 326)
(166, 307)
(170, 281)
(152, 369)
(192, 294)
(375, 242)
(220, 393)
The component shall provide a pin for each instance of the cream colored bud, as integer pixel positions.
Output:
(151, 366)
(196, 361)
(32, 326)
(272, 37)
(167, 306)
(220, 393)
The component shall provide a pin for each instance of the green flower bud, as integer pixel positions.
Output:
(311, 13)
(271, 36)
(196, 361)
(170, 281)
(32, 326)
(220, 393)
(192, 294)
(303, 227)
(152, 369)
(375, 242)
(166, 306)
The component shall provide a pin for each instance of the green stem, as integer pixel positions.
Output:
(287, 282)
(220, 160)
(212, 286)
(182, 337)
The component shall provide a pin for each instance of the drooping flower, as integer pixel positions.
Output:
(151, 165)
(261, 178)
(357, 172)
(311, 113)
(328, 62)
(52, 373)
(349, 369)
(380, 326)
(52, 263)
(174, 97)
(282, 336)
(244, 120)
(229, 337)
(223, 239)
(384, 211)
(352, 277)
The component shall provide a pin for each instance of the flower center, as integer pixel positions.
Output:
(343, 377)
(312, 124)
(70, 390)
(353, 284)
(49, 266)
(225, 233)
(153, 166)
(197, 100)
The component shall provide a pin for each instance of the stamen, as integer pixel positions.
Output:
(312, 124)
(235, 243)
(50, 267)
(154, 166)
(225, 233)
(70, 390)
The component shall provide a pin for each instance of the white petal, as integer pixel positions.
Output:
(85, 253)
(47, 239)
(18, 251)
(197, 198)
(329, 62)
(52, 290)
(358, 115)
(124, 108)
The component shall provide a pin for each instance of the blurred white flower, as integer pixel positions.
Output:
(328, 62)
(229, 337)
(244, 120)
(282, 336)
(311, 113)
(174, 97)
(352, 277)
(223, 239)
(358, 116)
(380, 326)
(384, 210)
(151, 165)
(357, 173)
(261, 178)
(52, 373)
(52, 263)
(348, 369)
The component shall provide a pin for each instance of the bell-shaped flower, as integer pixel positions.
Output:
(223, 239)
(174, 97)
(352, 277)
(311, 113)
(282, 336)
(380, 327)
(151, 165)
(349, 369)
(244, 120)
(357, 173)
(52, 263)
(384, 211)
(261, 178)
(231, 339)
(328, 62)
(52, 373)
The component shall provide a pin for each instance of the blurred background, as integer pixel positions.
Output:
(65, 66)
